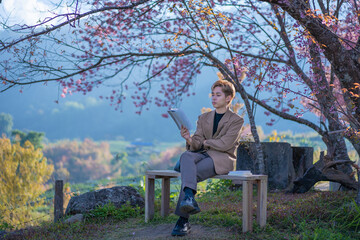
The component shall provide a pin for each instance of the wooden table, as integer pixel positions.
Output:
(247, 196)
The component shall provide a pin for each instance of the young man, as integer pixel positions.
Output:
(211, 151)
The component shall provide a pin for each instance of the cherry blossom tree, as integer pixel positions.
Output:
(291, 50)
(323, 35)
(170, 39)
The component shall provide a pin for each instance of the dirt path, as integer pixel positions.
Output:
(163, 231)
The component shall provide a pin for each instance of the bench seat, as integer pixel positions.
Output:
(247, 196)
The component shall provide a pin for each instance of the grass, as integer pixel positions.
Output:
(313, 215)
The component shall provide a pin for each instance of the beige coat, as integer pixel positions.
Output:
(222, 147)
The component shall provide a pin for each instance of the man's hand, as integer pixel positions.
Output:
(185, 134)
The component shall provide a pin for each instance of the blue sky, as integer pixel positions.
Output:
(24, 11)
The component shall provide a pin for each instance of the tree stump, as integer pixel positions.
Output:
(302, 160)
(278, 158)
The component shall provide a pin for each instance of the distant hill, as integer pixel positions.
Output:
(79, 116)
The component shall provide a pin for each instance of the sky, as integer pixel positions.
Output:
(24, 11)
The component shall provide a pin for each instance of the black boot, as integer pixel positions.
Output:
(188, 204)
(182, 227)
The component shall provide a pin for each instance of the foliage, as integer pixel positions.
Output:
(166, 159)
(274, 137)
(35, 138)
(24, 171)
(121, 164)
(83, 160)
(110, 210)
(6, 123)
(216, 186)
(4, 225)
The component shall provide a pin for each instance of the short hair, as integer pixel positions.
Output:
(226, 86)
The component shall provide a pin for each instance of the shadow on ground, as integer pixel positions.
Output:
(163, 231)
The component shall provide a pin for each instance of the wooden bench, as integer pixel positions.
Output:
(247, 196)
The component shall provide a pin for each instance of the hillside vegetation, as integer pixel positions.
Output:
(314, 215)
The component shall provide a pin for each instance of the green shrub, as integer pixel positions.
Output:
(4, 225)
(218, 186)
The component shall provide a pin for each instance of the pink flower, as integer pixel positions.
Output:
(62, 95)
(164, 115)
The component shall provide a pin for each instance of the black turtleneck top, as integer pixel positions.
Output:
(217, 119)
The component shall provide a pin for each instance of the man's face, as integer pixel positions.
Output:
(218, 98)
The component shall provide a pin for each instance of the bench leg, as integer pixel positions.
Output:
(165, 197)
(149, 197)
(247, 206)
(261, 202)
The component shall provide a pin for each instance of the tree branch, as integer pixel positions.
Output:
(98, 64)
(287, 116)
(69, 21)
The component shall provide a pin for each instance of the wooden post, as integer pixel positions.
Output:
(149, 197)
(247, 206)
(165, 196)
(58, 200)
(261, 202)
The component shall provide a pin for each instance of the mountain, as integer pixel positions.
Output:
(87, 116)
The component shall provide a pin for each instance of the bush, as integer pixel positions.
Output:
(24, 171)
(83, 160)
(218, 186)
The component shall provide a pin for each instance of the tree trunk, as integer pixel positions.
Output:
(229, 76)
(326, 169)
(259, 151)
(357, 199)
(356, 143)
(337, 150)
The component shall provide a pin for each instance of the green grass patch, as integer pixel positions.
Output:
(109, 210)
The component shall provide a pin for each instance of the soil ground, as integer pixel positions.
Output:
(163, 231)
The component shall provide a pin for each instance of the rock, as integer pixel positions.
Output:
(116, 195)
(75, 218)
